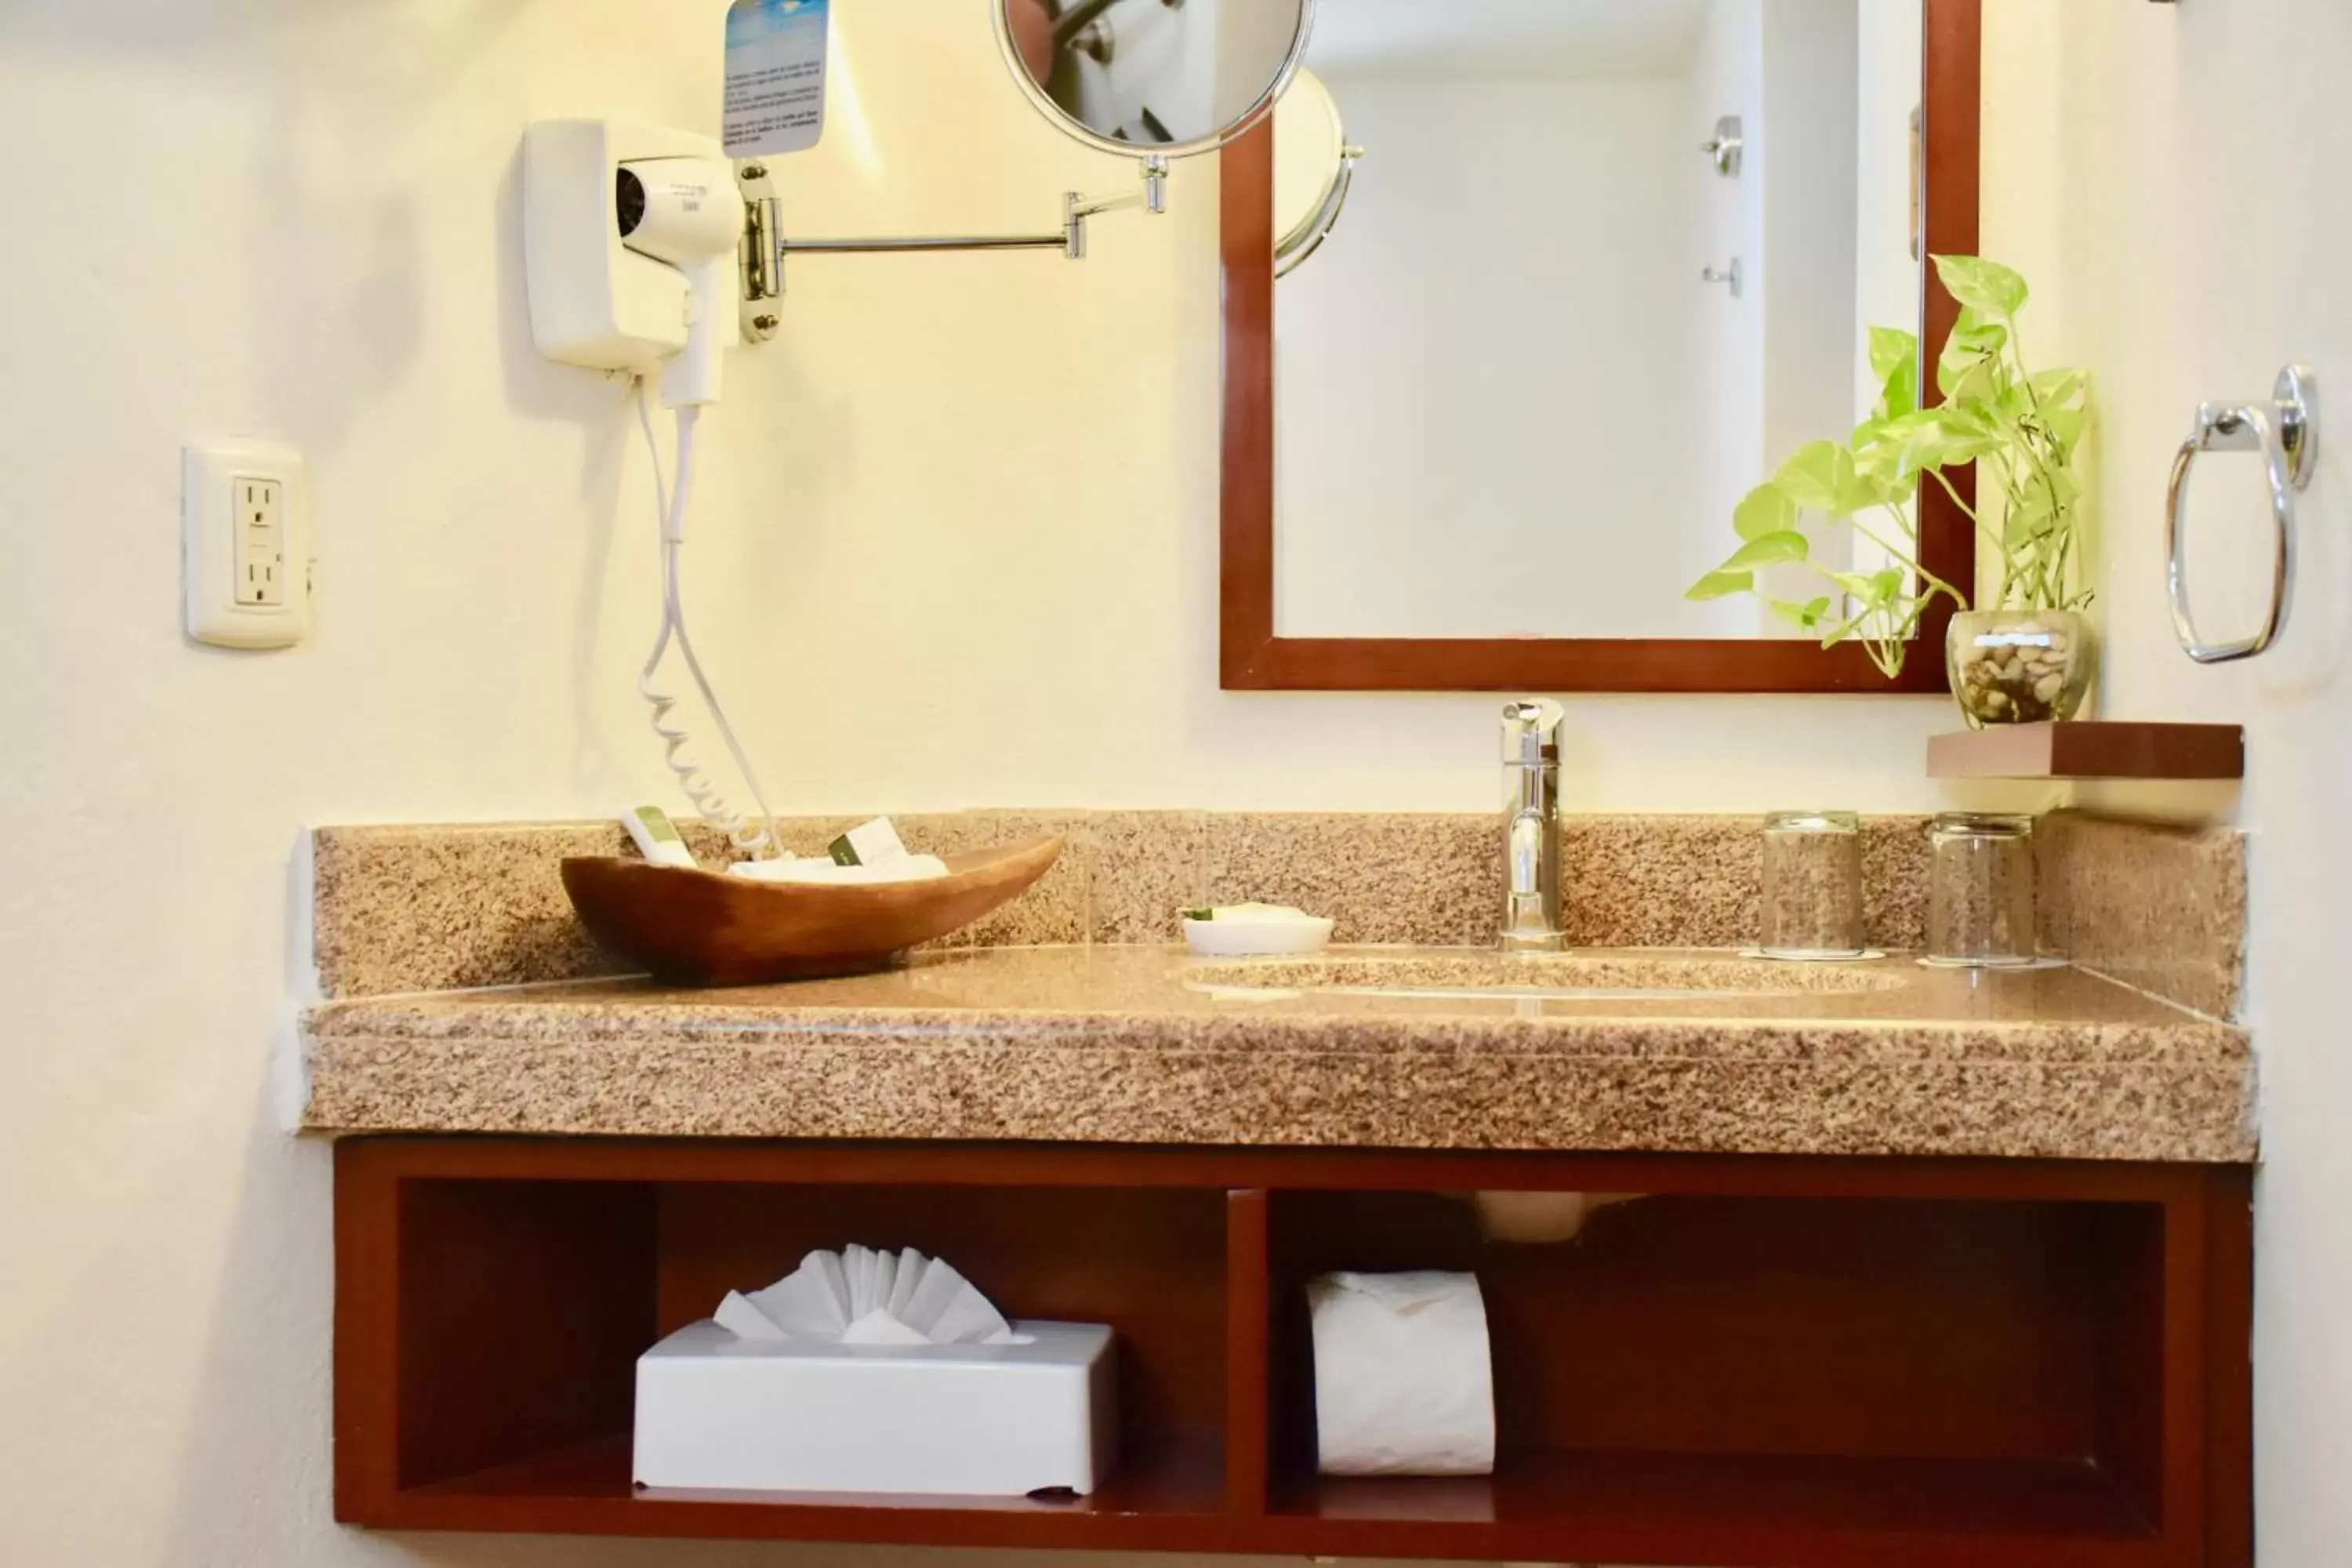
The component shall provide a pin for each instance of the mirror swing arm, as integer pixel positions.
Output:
(765, 244)
(1068, 24)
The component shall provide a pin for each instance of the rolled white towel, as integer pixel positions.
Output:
(817, 871)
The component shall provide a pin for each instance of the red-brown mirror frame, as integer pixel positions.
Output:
(1254, 658)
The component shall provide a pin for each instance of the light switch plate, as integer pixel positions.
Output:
(244, 526)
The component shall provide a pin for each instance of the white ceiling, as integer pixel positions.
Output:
(1516, 38)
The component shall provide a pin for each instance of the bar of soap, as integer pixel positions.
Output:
(1248, 912)
(875, 843)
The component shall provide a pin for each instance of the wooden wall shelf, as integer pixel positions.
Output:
(1771, 1363)
(2086, 749)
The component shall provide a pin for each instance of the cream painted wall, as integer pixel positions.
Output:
(957, 545)
(929, 426)
(2186, 256)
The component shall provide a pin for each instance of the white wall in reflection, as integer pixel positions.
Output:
(1507, 404)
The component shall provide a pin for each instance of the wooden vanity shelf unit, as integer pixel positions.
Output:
(1770, 1363)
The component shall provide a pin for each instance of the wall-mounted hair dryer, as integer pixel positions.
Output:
(631, 236)
(634, 239)
(687, 212)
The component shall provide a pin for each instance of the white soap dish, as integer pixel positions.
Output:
(1258, 930)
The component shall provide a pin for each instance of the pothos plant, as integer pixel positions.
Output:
(2021, 428)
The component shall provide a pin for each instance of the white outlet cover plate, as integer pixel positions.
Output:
(218, 554)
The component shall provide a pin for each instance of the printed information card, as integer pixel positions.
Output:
(776, 76)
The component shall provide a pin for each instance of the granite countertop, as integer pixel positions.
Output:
(1141, 1045)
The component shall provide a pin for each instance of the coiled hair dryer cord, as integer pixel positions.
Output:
(756, 839)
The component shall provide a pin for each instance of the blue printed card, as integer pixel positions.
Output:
(776, 76)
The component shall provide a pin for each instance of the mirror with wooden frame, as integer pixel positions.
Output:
(1495, 430)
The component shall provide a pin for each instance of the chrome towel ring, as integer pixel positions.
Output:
(2287, 433)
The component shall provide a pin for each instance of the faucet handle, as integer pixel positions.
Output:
(1531, 732)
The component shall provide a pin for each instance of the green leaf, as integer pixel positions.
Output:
(1868, 587)
(1805, 618)
(1969, 432)
(1766, 510)
(2066, 426)
(2058, 389)
(1899, 394)
(1981, 285)
(1970, 369)
(1817, 476)
(1903, 449)
(2027, 521)
(1889, 348)
(1721, 585)
(1770, 550)
(1877, 459)
(1832, 636)
(1894, 361)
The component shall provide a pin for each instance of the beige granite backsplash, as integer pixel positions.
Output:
(445, 908)
(2159, 907)
(403, 909)
(440, 908)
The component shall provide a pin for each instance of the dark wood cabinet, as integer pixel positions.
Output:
(1775, 1363)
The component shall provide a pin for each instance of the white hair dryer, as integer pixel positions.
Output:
(686, 213)
(631, 236)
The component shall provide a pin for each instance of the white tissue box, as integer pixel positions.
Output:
(715, 1412)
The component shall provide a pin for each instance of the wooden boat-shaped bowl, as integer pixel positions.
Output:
(702, 928)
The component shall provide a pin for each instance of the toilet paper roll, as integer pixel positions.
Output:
(1528, 1219)
(1403, 1384)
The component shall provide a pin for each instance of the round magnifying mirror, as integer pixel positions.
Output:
(1154, 78)
(1313, 168)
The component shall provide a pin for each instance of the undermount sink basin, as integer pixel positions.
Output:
(1569, 977)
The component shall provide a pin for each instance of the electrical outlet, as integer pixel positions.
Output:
(258, 575)
(246, 545)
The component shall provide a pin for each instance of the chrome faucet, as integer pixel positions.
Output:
(1531, 921)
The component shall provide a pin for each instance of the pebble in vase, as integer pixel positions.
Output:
(2018, 667)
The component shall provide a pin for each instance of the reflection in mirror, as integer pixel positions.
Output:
(1167, 77)
(1509, 405)
(1313, 170)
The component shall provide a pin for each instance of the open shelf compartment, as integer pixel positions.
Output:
(1766, 1363)
(1717, 1370)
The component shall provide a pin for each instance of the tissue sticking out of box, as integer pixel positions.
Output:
(862, 1297)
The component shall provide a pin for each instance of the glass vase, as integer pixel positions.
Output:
(2018, 667)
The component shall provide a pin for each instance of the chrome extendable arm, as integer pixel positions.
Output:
(765, 246)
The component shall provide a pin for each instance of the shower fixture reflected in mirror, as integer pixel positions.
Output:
(1727, 147)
